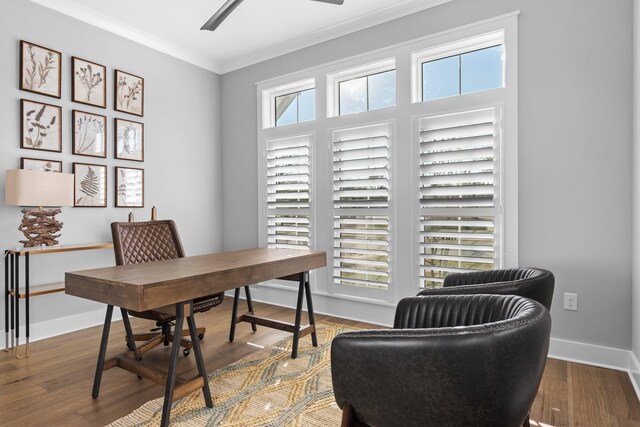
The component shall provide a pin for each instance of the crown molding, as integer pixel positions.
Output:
(104, 22)
(89, 16)
(340, 29)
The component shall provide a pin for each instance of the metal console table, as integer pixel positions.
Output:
(13, 292)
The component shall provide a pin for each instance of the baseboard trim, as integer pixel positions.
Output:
(63, 325)
(589, 354)
(634, 372)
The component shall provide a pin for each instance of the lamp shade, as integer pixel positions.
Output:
(36, 188)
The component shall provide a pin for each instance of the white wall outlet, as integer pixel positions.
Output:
(570, 301)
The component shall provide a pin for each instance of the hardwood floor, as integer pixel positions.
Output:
(53, 386)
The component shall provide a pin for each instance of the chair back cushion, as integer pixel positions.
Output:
(138, 242)
(534, 283)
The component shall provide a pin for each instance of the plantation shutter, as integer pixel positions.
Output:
(458, 194)
(288, 192)
(361, 206)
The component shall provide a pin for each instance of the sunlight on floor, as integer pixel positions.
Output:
(539, 424)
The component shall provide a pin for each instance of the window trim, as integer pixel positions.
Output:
(449, 49)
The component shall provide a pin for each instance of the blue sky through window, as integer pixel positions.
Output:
(307, 105)
(298, 107)
(440, 78)
(382, 90)
(460, 74)
(353, 96)
(481, 70)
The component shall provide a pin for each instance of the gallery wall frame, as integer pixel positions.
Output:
(40, 69)
(128, 140)
(45, 165)
(40, 126)
(90, 185)
(88, 82)
(128, 93)
(89, 135)
(129, 187)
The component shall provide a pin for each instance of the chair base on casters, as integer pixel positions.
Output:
(165, 337)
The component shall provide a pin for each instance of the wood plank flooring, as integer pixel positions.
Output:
(53, 386)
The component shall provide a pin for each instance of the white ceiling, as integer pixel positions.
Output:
(256, 30)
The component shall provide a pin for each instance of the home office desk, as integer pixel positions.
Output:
(172, 285)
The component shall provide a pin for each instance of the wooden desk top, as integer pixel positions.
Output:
(152, 285)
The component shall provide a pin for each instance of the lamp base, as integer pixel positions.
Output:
(39, 227)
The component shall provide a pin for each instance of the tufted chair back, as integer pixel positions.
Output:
(138, 242)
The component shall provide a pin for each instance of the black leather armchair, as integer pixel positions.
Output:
(534, 283)
(448, 361)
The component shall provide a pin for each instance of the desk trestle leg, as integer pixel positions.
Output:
(312, 320)
(295, 328)
(199, 360)
(171, 376)
(103, 351)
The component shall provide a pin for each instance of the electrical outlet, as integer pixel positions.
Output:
(570, 301)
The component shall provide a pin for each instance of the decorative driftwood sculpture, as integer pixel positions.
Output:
(39, 227)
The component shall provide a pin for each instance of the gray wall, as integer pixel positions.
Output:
(182, 144)
(635, 325)
(575, 97)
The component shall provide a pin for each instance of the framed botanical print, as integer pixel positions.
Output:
(129, 187)
(41, 126)
(90, 189)
(43, 165)
(129, 140)
(129, 93)
(89, 82)
(89, 134)
(40, 69)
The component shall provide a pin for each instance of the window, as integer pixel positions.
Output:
(458, 192)
(470, 65)
(295, 107)
(398, 192)
(289, 104)
(363, 88)
(368, 93)
(466, 73)
(360, 206)
(288, 192)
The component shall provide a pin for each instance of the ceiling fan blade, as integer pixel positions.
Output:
(221, 15)
(331, 1)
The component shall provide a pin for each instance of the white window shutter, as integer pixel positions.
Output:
(288, 192)
(457, 194)
(361, 206)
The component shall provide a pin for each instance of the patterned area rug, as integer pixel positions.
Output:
(266, 388)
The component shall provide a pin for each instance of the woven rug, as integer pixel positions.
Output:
(266, 388)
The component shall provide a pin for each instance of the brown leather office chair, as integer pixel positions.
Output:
(138, 242)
